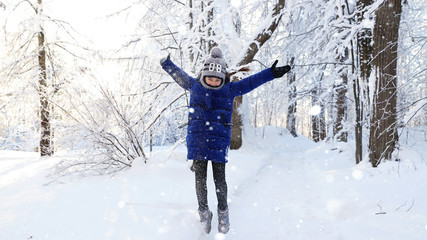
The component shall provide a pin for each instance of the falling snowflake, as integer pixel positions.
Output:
(315, 110)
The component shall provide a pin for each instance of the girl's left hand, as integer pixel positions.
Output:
(279, 71)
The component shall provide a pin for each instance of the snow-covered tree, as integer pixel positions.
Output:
(33, 67)
(384, 120)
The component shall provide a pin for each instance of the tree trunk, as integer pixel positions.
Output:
(341, 108)
(364, 43)
(358, 130)
(292, 108)
(318, 130)
(206, 20)
(265, 34)
(383, 130)
(318, 124)
(340, 91)
(236, 128)
(191, 25)
(45, 130)
(364, 53)
(315, 128)
(322, 122)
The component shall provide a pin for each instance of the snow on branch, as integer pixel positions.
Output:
(264, 33)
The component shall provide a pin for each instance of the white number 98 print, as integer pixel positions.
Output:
(215, 67)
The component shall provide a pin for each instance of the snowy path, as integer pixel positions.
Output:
(280, 187)
(281, 199)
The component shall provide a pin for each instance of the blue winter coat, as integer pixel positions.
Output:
(209, 118)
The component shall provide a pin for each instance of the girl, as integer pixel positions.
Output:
(209, 124)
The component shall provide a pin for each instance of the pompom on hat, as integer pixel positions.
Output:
(214, 66)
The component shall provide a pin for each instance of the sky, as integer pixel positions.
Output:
(96, 19)
(91, 20)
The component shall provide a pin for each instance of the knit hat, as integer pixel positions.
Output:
(214, 66)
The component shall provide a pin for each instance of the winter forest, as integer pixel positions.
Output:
(358, 73)
(82, 84)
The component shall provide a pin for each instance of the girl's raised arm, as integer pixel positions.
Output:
(182, 78)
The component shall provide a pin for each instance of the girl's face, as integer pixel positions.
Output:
(213, 81)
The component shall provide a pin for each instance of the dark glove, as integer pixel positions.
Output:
(165, 59)
(279, 71)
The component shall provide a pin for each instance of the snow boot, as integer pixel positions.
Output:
(223, 221)
(192, 168)
(206, 219)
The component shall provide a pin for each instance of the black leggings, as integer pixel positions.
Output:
(218, 169)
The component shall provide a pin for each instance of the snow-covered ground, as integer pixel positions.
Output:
(280, 187)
